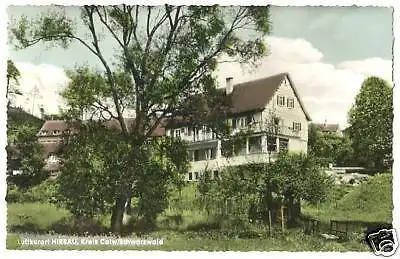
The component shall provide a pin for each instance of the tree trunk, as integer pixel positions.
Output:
(118, 215)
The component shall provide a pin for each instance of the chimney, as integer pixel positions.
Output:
(229, 85)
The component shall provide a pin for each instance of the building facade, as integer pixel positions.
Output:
(269, 115)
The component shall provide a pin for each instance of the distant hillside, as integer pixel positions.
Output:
(17, 116)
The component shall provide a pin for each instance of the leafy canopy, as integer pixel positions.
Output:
(371, 123)
(168, 52)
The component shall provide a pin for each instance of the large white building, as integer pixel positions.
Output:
(270, 113)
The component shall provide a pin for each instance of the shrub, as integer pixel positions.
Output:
(44, 192)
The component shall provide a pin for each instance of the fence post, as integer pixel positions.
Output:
(269, 222)
(282, 218)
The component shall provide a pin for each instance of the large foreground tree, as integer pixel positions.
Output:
(166, 54)
(371, 124)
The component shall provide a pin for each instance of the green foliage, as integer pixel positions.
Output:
(330, 148)
(16, 117)
(45, 192)
(13, 74)
(166, 54)
(29, 158)
(369, 202)
(300, 177)
(90, 172)
(371, 119)
(246, 191)
(166, 169)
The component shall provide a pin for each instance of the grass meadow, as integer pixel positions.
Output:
(184, 227)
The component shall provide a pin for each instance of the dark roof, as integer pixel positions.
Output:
(325, 127)
(245, 97)
(51, 125)
(61, 125)
(255, 95)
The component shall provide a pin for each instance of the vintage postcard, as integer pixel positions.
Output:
(200, 128)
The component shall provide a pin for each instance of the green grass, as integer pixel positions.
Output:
(176, 241)
(33, 217)
(186, 227)
(369, 202)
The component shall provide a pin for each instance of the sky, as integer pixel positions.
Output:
(328, 52)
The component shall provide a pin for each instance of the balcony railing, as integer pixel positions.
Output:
(259, 127)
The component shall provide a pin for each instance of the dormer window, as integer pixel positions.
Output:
(56, 132)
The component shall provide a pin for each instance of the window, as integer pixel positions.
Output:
(197, 155)
(290, 102)
(296, 126)
(276, 121)
(242, 122)
(190, 177)
(196, 175)
(286, 82)
(271, 144)
(281, 100)
(283, 144)
(196, 134)
(234, 126)
(255, 145)
(213, 153)
(189, 131)
(249, 119)
(177, 133)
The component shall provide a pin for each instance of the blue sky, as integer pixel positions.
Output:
(327, 50)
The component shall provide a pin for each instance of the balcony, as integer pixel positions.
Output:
(259, 127)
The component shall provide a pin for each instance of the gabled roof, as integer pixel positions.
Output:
(255, 95)
(298, 97)
(51, 125)
(245, 97)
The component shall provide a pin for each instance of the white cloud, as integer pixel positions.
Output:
(40, 86)
(327, 90)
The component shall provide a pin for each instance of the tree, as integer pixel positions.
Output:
(287, 180)
(296, 177)
(166, 55)
(371, 122)
(330, 148)
(89, 181)
(13, 75)
(29, 155)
